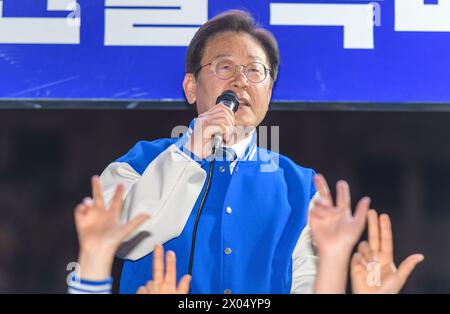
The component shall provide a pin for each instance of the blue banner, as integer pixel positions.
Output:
(391, 51)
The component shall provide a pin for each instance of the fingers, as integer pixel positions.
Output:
(81, 209)
(217, 125)
(358, 261)
(97, 192)
(407, 266)
(318, 210)
(219, 112)
(132, 225)
(116, 202)
(217, 119)
(322, 188)
(151, 287)
(165, 277)
(222, 110)
(387, 246)
(89, 202)
(365, 251)
(171, 270)
(343, 195)
(142, 290)
(184, 284)
(361, 213)
(227, 112)
(373, 230)
(158, 266)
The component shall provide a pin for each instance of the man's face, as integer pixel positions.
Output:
(254, 98)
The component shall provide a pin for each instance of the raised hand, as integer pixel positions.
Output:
(100, 232)
(372, 268)
(335, 231)
(165, 276)
(333, 227)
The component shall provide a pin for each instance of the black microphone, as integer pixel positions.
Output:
(229, 99)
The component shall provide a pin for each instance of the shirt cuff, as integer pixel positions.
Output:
(82, 286)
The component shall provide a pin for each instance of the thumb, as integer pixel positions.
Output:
(407, 266)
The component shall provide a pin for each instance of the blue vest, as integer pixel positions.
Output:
(248, 250)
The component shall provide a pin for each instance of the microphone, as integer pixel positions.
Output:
(229, 99)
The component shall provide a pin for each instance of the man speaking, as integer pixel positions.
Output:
(235, 214)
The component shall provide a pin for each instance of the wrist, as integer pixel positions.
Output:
(96, 264)
(331, 273)
(199, 148)
(335, 252)
(333, 255)
(98, 248)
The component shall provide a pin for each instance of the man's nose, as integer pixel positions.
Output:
(239, 78)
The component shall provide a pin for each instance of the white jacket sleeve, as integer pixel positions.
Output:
(167, 191)
(304, 262)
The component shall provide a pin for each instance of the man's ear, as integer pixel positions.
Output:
(190, 88)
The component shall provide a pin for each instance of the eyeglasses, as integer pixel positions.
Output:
(255, 72)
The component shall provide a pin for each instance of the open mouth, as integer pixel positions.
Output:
(243, 102)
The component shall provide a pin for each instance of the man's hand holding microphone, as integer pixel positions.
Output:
(214, 127)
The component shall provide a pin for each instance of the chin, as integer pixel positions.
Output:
(245, 123)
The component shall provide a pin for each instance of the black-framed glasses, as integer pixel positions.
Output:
(225, 69)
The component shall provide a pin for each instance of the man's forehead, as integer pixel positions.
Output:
(230, 56)
(234, 45)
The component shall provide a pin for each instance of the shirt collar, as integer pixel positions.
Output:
(241, 147)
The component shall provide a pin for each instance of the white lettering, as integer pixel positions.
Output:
(153, 22)
(14, 30)
(356, 19)
(414, 15)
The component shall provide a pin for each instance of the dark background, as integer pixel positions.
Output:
(400, 159)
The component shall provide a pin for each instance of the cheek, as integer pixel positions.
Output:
(207, 93)
(203, 99)
(262, 99)
(204, 105)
